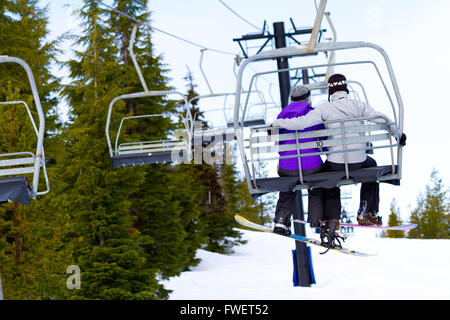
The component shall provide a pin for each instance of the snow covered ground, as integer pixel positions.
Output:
(262, 270)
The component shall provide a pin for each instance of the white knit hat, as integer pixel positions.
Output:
(300, 93)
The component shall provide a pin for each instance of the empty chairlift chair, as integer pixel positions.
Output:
(256, 114)
(258, 104)
(257, 118)
(149, 152)
(206, 135)
(260, 146)
(14, 167)
(155, 151)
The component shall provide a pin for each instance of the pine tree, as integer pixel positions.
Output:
(219, 189)
(266, 203)
(432, 212)
(165, 206)
(226, 235)
(168, 218)
(197, 115)
(394, 220)
(103, 240)
(253, 209)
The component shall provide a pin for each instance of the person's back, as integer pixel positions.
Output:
(318, 198)
(293, 110)
(341, 107)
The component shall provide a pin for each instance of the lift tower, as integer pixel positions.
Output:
(302, 255)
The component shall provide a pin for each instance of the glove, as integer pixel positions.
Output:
(269, 131)
(402, 140)
(399, 136)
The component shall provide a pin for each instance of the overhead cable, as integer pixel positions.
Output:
(240, 17)
(162, 31)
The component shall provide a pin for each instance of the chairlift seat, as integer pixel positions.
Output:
(327, 179)
(147, 152)
(15, 189)
(254, 122)
(250, 122)
(139, 159)
(211, 134)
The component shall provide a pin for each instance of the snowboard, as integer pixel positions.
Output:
(404, 227)
(247, 223)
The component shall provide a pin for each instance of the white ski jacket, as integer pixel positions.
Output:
(340, 107)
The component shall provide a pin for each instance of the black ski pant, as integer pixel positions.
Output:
(323, 204)
(370, 191)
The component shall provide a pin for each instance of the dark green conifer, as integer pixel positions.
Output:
(394, 220)
(432, 212)
(104, 242)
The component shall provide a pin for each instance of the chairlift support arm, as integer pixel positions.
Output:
(133, 57)
(202, 51)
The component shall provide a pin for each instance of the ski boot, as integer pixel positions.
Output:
(375, 219)
(329, 236)
(365, 218)
(282, 228)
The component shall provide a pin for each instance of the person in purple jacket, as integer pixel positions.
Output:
(323, 204)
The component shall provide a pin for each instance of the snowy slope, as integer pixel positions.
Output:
(262, 269)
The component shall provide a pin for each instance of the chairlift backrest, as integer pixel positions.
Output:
(265, 143)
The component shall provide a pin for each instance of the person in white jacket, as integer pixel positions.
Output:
(341, 107)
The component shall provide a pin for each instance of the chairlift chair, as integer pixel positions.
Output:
(15, 187)
(259, 111)
(256, 118)
(258, 146)
(227, 132)
(208, 134)
(149, 152)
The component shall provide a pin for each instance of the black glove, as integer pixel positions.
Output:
(402, 141)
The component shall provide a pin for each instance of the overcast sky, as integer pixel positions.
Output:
(414, 34)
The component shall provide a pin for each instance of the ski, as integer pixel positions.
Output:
(247, 223)
(404, 227)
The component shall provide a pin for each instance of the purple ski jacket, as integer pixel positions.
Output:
(293, 110)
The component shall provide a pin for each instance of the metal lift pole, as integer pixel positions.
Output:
(301, 250)
(283, 77)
